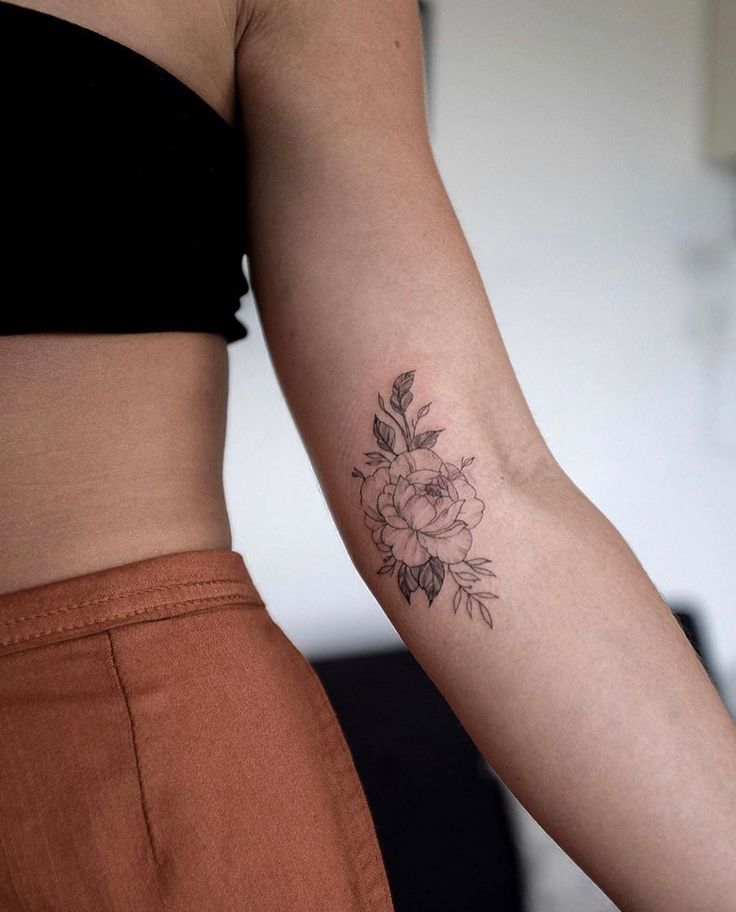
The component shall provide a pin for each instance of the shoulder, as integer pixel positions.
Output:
(330, 63)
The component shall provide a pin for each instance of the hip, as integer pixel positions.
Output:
(111, 450)
(165, 746)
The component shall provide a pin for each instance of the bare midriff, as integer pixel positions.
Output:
(111, 451)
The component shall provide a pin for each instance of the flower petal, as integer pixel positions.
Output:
(450, 549)
(376, 528)
(448, 533)
(445, 518)
(419, 511)
(387, 510)
(405, 546)
(463, 487)
(411, 461)
(371, 488)
(449, 470)
(422, 476)
(402, 493)
(471, 512)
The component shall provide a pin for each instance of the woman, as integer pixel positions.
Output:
(164, 746)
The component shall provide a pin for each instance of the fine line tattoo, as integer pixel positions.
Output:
(420, 509)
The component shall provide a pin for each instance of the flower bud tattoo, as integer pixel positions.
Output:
(421, 509)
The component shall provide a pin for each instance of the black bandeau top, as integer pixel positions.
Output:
(122, 189)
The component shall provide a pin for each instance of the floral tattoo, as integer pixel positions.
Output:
(420, 509)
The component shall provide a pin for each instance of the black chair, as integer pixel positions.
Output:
(439, 811)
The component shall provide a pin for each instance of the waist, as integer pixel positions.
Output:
(111, 451)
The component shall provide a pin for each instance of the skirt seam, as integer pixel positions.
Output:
(6, 622)
(134, 744)
(113, 619)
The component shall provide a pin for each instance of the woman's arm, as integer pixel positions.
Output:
(562, 662)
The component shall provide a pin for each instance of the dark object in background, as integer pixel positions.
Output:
(691, 623)
(439, 811)
(426, 19)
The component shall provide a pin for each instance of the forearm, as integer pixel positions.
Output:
(588, 702)
(583, 694)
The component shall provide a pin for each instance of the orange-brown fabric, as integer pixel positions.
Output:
(164, 746)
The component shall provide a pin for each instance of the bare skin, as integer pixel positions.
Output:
(111, 446)
(110, 451)
(584, 694)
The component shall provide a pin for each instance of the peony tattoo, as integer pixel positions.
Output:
(421, 509)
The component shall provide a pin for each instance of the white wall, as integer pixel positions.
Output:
(569, 135)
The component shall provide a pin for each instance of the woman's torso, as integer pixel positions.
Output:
(111, 445)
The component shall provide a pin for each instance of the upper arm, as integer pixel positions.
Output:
(332, 69)
(332, 97)
(357, 261)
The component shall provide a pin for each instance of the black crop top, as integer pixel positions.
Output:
(122, 189)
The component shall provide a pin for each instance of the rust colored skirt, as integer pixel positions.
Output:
(164, 746)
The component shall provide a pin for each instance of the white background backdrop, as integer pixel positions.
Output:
(569, 134)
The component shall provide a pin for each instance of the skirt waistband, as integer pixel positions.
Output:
(157, 587)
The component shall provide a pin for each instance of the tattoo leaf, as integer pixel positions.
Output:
(478, 566)
(407, 581)
(401, 398)
(431, 576)
(423, 411)
(376, 459)
(385, 435)
(467, 577)
(456, 601)
(427, 439)
(403, 383)
(485, 614)
(468, 605)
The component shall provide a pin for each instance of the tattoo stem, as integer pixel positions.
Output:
(402, 431)
(408, 436)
